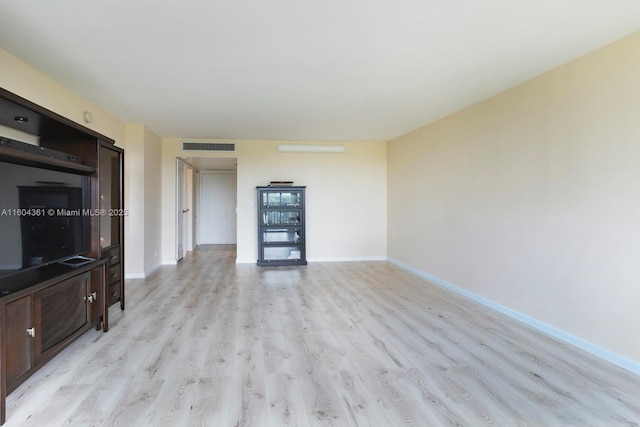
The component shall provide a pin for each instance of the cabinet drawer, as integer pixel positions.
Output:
(114, 293)
(114, 274)
(113, 255)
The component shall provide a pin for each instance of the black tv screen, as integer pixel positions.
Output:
(43, 217)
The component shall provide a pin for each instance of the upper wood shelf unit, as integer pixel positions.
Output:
(39, 120)
(33, 159)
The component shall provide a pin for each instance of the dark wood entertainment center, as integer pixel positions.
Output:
(44, 308)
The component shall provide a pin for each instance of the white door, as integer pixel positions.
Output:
(181, 208)
(217, 208)
(188, 217)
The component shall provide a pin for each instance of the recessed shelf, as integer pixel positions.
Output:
(8, 154)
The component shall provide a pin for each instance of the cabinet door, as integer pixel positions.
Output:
(60, 311)
(281, 198)
(19, 341)
(110, 196)
(96, 300)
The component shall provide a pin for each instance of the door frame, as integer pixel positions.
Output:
(183, 207)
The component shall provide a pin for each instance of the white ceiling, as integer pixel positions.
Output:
(301, 69)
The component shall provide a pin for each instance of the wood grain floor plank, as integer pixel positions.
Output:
(98, 404)
(284, 405)
(213, 343)
(209, 403)
(133, 408)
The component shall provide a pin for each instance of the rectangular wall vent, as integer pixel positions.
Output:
(208, 146)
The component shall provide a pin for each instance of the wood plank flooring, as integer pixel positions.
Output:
(211, 343)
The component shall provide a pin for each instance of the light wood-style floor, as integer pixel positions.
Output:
(211, 343)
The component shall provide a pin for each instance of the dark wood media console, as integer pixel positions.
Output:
(45, 310)
(44, 306)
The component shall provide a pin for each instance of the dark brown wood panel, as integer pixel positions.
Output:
(96, 304)
(62, 310)
(18, 343)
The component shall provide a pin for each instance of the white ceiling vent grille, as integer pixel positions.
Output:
(208, 146)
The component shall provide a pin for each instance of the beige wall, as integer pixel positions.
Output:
(530, 199)
(152, 200)
(134, 229)
(346, 197)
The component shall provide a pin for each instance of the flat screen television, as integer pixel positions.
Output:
(44, 217)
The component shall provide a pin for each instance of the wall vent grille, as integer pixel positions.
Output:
(208, 146)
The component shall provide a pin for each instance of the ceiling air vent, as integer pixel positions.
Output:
(208, 146)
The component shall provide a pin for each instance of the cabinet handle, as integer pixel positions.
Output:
(31, 332)
(91, 298)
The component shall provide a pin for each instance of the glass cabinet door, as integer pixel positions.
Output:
(109, 197)
(276, 253)
(282, 199)
(281, 217)
(281, 235)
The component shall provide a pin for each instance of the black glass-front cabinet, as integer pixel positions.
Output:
(281, 234)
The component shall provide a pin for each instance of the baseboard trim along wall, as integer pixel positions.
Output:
(142, 275)
(600, 352)
(350, 259)
(152, 269)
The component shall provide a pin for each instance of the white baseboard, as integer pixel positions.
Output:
(587, 346)
(152, 269)
(348, 259)
(142, 275)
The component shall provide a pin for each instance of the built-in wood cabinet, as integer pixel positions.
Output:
(41, 320)
(45, 304)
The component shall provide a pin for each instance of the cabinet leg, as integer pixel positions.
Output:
(3, 409)
(3, 398)
(3, 368)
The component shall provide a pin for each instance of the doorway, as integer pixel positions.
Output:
(218, 203)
